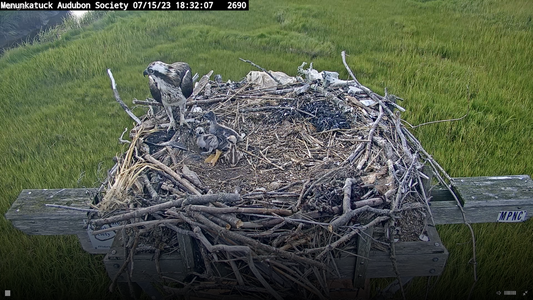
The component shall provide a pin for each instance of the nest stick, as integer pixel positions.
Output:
(347, 199)
(262, 158)
(348, 236)
(347, 216)
(259, 277)
(71, 208)
(343, 56)
(298, 278)
(148, 185)
(126, 262)
(171, 172)
(262, 69)
(369, 202)
(370, 135)
(202, 199)
(138, 224)
(256, 244)
(215, 248)
(241, 210)
(235, 270)
(117, 97)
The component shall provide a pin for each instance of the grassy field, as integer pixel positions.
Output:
(60, 122)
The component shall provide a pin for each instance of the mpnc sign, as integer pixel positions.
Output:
(511, 216)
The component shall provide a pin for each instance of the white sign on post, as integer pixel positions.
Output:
(511, 216)
(102, 241)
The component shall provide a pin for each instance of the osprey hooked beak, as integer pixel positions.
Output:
(147, 71)
(157, 67)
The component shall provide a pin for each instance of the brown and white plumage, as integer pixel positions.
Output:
(170, 84)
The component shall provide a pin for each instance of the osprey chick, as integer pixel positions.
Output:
(170, 85)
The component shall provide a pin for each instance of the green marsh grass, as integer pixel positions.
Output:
(60, 123)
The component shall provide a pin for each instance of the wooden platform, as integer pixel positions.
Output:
(482, 198)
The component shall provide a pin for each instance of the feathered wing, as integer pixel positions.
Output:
(154, 89)
(170, 85)
(183, 70)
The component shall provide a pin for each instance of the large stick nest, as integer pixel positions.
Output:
(323, 160)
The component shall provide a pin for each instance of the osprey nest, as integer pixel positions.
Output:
(318, 161)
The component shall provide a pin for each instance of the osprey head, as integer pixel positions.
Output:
(157, 68)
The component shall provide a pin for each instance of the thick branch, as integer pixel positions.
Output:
(241, 210)
(201, 199)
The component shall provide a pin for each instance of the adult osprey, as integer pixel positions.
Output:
(170, 84)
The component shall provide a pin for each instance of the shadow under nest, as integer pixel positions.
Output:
(320, 165)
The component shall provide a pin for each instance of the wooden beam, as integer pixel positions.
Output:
(413, 259)
(364, 242)
(30, 214)
(483, 198)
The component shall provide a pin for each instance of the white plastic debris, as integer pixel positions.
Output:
(368, 102)
(353, 90)
(262, 80)
(310, 74)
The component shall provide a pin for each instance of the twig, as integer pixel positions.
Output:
(394, 264)
(117, 97)
(449, 120)
(71, 208)
(262, 69)
(262, 158)
(347, 199)
(215, 248)
(259, 277)
(240, 210)
(347, 216)
(171, 172)
(201, 199)
(370, 136)
(258, 245)
(121, 138)
(350, 235)
(138, 224)
(300, 280)
(343, 55)
(126, 262)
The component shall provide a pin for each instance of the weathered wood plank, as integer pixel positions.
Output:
(483, 198)
(490, 191)
(172, 265)
(29, 213)
(413, 259)
(364, 242)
